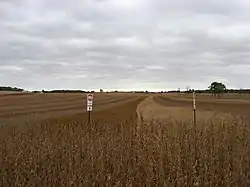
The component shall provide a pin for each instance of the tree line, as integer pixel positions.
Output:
(217, 89)
(64, 91)
(10, 89)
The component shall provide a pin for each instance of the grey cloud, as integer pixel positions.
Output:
(100, 44)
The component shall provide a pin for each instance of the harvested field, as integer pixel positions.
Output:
(133, 140)
(43, 106)
(239, 107)
(226, 96)
(179, 108)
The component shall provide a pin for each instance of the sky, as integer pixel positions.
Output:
(124, 44)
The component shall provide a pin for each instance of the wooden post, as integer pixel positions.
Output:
(89, 106)
(194, 110)
(89, 118)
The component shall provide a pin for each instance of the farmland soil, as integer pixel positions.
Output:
(154, 109)
(26, 109)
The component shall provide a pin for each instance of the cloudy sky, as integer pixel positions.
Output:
(124, 44)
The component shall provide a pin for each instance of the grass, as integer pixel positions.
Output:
(112, 151)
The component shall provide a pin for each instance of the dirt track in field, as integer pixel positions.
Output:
(235, 107)
(150, 110)
(162, 108)
(27, 108)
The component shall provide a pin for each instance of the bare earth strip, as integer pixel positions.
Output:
(149, 110)
(216, 106)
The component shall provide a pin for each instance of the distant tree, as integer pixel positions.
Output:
(101, 90)
(217, 88)
(65, 91)
(8, 88)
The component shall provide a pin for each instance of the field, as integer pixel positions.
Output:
(132, 140)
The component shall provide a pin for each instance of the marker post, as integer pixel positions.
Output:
(194, 109)
(195, 131)
(89, 106)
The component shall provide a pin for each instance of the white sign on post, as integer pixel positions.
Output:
(90, 102)
(89, 108)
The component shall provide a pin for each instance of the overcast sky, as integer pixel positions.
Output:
(124, 44)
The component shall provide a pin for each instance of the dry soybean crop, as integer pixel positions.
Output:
(132, 140)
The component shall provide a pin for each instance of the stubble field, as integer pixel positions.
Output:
(133, 140)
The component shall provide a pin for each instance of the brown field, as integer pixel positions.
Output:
(37, 107)
(133, 140)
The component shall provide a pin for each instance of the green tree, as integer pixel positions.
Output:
(217, 88)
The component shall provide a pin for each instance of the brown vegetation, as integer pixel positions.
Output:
(111, 151)
(37, 107)
(235, 106)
